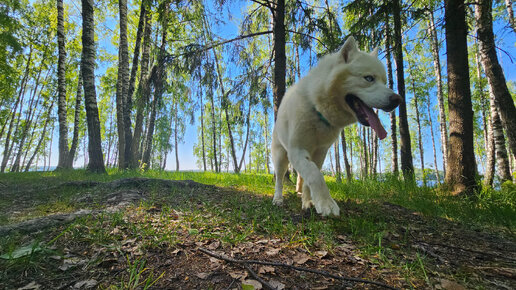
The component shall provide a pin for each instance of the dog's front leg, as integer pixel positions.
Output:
(301, 161)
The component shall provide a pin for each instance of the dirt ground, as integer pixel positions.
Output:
(455, 257)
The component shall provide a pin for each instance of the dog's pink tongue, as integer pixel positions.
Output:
(375, 123)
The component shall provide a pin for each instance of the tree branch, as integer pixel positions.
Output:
(267, 4)
(307, 35)
(212, 46)
(319, 272)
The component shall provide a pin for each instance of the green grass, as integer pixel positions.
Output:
(241, 211)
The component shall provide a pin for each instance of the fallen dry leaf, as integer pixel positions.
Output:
(213, 246)
(276, 284)
(265, 269)
(239, 275)
(321, 254)
(202, 275)
(72, 262)
(272, 252)
(301, 258)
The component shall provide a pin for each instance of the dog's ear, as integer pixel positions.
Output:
(375, 52)
(349, 49)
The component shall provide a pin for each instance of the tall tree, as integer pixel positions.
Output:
(76, 119)
(41, 139)
(440, 94)
(461, 171)
(96, 160)
(122, 89)
(19, 100)
(349, 174)
(493, 70)
(143, 94)
(510, 14)
(280, 59)
(394, 133)
(406, 150)
(61, 88)
(502, 160)
(158, 76)
(337, 161)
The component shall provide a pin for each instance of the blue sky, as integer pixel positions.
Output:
(228, 30)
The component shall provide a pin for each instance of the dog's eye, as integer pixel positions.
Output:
(369, 78)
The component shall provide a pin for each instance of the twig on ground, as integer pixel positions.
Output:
(319, 272)
(258, 278)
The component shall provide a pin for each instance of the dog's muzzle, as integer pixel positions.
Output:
(394, 102)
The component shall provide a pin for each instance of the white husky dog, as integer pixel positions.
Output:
(342, 89)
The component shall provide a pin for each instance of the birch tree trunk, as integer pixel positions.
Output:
(143, 95)
(76, 119)
(502, 160)
(122, 86)
(337, 161)
(491, 155)
(136, 55)
(434, 41)
(349, 174)
(96, 160)
(493, 70)
(394, 134)
(420, 138)
(175, 138)
(61, 88)
(437, 176)
(214, 133)
(266, 117)
(158, 76)
(28, 122)
(202, 128)
(19, 100)
(41, 138)
(510, 13)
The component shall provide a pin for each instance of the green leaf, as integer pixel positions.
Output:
(22, 252)
(247, 287)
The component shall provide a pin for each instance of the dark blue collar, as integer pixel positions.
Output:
(322, 118)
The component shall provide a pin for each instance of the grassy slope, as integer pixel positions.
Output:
(241, 212)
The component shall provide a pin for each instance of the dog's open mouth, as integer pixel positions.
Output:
(365, 115)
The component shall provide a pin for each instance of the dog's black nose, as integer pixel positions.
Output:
(394, 101)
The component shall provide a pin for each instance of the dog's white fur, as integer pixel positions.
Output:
(302, 136)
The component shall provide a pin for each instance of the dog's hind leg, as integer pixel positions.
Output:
(280, 161)
(313, 178)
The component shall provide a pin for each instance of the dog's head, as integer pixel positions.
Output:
(361, 83)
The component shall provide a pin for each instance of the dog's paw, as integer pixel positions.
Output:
(326, 207)
(277, 201)
(307, 203)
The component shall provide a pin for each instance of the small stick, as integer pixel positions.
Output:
(258, 278)
(323, 273)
